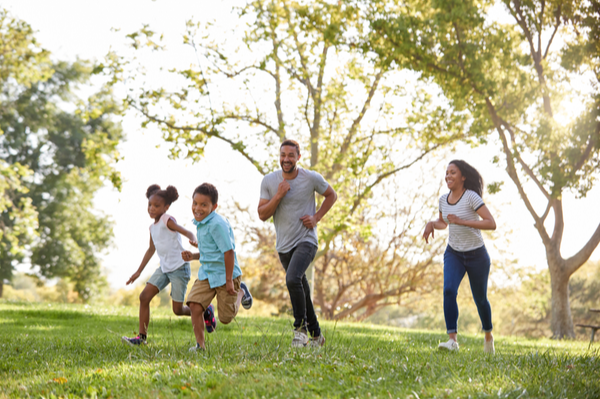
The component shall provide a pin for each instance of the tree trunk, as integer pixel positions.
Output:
(562, 322)
(1, 288)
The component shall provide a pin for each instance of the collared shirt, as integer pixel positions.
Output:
(215, 237)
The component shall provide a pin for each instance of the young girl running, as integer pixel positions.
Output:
(462, 208)
(165, 240)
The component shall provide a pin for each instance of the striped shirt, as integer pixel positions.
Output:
(463, 238)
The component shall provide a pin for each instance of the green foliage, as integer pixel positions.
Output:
(75, 351)
(508, 79)
(67, 144)
(296, 70)
(18, 218)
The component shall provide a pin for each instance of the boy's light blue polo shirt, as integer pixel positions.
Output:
(215, 237)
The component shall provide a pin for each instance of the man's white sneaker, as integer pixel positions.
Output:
(488, 346)
(317, 342)
(300, 339)
(451, 345)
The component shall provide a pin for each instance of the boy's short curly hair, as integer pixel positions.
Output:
(209, 190)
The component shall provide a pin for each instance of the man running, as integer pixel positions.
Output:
(289, 196)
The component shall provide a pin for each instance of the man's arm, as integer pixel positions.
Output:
(266, 208)
(309, 221)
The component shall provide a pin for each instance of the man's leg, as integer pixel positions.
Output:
(299, 260)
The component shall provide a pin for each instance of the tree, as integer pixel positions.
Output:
(18, 219)
(68, 145)
(359, 274)
(510, 80)
(297, 71)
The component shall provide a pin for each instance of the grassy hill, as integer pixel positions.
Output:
(50, 350)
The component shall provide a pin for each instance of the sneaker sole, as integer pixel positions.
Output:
(124, 339)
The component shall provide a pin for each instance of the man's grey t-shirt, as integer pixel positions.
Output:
(299, 201)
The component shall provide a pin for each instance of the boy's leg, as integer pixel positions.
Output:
(197, 313)
(295, 263)
(179, 280)
(198, 301)
(146, 296)
(229, 305)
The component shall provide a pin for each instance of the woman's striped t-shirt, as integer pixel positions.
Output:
(463, 238)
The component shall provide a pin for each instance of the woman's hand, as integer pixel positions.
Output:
(429, 230)
(453, 219)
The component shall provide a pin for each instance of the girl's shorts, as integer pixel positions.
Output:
(178, 278)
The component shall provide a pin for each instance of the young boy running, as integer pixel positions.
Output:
(219, 274)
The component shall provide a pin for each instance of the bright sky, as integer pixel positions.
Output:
(83, 28)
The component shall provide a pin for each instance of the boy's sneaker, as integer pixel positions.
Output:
(300, 339)
(451, 345)
(196, 348)
(247, 298)
(209, 319)
(488, 346)
(317, 342)
(134, 341)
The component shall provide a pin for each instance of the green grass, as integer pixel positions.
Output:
(75, 351)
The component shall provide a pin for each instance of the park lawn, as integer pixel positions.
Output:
(51, 350)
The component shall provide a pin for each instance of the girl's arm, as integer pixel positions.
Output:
(171, 224)
(430, 227)
(487, 221)
(149, 252)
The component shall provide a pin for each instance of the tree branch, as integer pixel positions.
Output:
(383, 176)
(236, 146)
(355, 124)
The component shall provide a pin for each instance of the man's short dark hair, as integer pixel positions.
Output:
(209, 190)
(291, 143)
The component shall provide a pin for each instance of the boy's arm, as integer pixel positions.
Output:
(189, 256)
(229, 262)
(172, 224)
(149, 252)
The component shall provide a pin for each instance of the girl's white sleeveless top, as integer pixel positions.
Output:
(168, 244)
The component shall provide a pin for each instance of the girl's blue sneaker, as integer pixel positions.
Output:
(134, 341)
(209, 319)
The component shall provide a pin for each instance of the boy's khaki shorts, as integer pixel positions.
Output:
(227, 305)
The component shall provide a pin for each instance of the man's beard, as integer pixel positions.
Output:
(291, 171)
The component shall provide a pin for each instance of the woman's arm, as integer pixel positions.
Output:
(487, 221)
(172, 224)
(149, 252)
(430, 227)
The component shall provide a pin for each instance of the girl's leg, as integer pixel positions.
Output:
(179, 280)
(478, 270)
(454, 271)
(197, 312)
(146, 296)
(180, 309)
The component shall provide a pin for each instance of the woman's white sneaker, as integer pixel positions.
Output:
(488, 346)
(451, 345)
